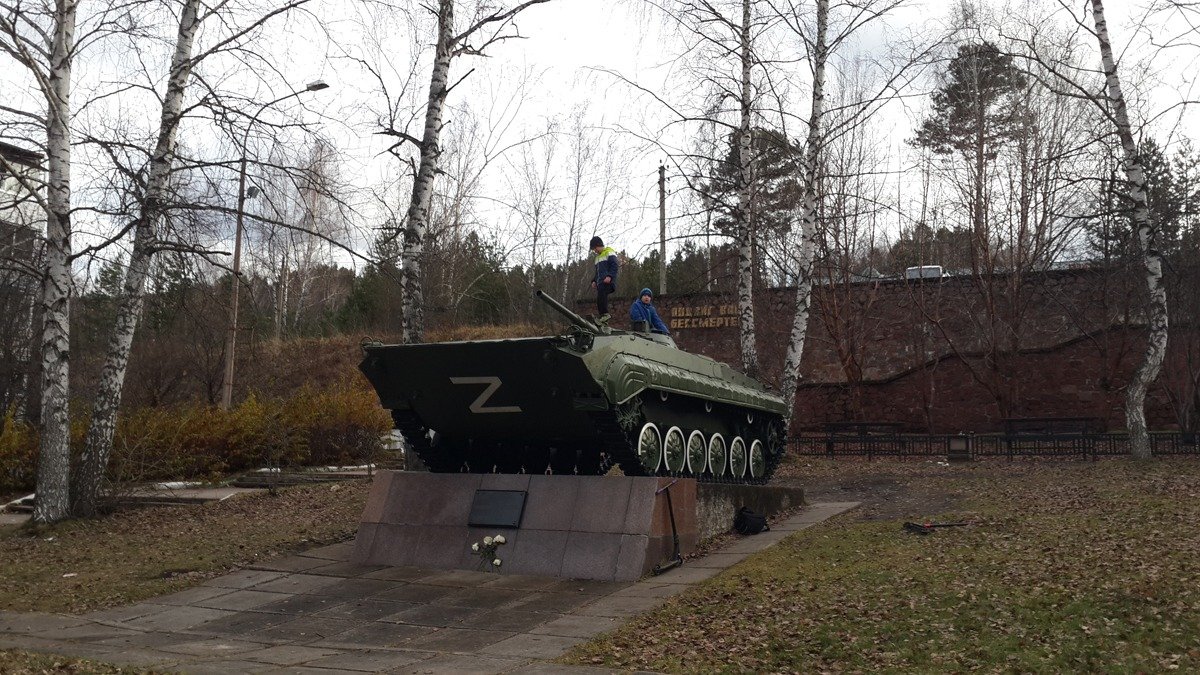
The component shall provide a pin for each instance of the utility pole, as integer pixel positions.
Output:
(243, 194)
(662, 229)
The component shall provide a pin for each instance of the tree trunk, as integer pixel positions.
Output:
(1156, 319)
(54, 459)
(808, 214)
(413, 329)
(745, 231)
(98, 449)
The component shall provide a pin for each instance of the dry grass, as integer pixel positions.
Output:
(137, 554)
(16, 662)
(1069, 567)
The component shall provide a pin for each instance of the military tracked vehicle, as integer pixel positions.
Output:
(578, 403)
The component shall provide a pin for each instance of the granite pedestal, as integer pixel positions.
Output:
(610, 528)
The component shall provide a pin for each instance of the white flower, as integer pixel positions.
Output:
(499, 539)
(487, 541)
(475, 547)
(496, 562)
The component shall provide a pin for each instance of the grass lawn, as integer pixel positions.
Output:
(1068, 567)
(84, 565)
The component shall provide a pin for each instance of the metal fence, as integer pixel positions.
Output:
(1087, 446)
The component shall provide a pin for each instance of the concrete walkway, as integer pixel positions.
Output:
(318, 613)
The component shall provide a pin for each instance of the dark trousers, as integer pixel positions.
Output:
(603, 290)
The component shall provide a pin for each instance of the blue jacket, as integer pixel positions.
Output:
(643, 312)
(607, 265)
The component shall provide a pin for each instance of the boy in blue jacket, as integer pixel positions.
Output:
(642, 310)
(605, 282)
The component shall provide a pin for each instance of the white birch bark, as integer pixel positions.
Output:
(413, 327)
(1156, 320)
(98, 449)
(745, 231)
(808, 214)
(54, 459)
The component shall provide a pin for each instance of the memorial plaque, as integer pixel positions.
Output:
(497, 508)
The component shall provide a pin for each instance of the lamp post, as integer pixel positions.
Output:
(231, 338)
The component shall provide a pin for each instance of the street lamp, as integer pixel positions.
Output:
(231, 338)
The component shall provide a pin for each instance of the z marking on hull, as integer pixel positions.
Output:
(478, 406)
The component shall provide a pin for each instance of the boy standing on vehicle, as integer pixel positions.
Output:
(642, 310)
(606, 275)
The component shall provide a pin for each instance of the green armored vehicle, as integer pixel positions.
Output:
(578, 403)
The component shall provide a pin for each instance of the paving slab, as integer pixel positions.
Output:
(557, 602)
(191, 596)
(301, 605)
(577, 626)
(507, 619)
(298, 583)
(459, 640)
(179, 618)
(240, 624)
(718, 560)
(346, 569)
(295, 563)
(483, 598)
(244, 578)
(438, 616)
(688, 575)
(213, 647)
(223, 667)
(90, 632)
(464, 664)
(118, 615)
(371, 660)
(534, 646)
(318, 613)
(400, 574)
(37, 622)
(287, 655)
(620, 606)
(368, 609)
(335, 552)
(350, 589)
(243, 599)
(650, 589)
(375, 635)
(154, 640)
(305, 629)
(13, 519)
(460, 578)
(414, 592)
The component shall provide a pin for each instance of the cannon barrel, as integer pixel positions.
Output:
(574, 318)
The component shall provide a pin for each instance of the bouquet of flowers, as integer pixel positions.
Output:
(487, 551)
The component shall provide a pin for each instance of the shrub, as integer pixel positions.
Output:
(18, 454)
(339, 424)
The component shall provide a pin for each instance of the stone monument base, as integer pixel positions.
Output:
(612, 528)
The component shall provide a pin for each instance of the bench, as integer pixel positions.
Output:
(1052, 435)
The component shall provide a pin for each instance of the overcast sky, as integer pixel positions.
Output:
(557, 67)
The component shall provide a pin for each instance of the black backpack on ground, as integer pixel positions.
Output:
(749, 522)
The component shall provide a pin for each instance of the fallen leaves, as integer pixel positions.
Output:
(1070, 567)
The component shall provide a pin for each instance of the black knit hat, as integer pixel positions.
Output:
(596, 241)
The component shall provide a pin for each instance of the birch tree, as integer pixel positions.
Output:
(45, 45)
(1177, 30)
(807, 215)
(152, 199)
(1147, 230)
(486, 28)
(822, 42)
(90, 470)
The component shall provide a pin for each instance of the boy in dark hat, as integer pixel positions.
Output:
(642, 310)
(606, 275)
